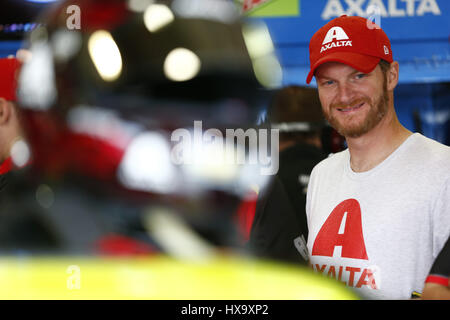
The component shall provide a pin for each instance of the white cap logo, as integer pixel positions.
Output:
(386, 50)
(335, 33)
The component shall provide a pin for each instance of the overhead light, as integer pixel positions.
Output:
(260, 47)
(257, 39)
(181, 64)
(105, 55)
(157, 16)
(268, 71)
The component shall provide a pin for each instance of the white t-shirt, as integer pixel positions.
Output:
(379, 231)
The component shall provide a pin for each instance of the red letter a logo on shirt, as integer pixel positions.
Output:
(351, 240)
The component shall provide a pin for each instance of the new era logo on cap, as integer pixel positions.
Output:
(349, 40)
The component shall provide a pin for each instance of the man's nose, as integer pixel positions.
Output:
(344, 94)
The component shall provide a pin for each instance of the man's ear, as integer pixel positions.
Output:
(392, 76)
(5, 111)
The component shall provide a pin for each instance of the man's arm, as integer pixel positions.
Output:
(437, 282)
(434, 291)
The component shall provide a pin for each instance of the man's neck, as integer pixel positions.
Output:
(369, 150)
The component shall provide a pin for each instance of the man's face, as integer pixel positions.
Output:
(353, 102)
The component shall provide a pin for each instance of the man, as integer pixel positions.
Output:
(10, 129)
(279, 230)
(378, 213)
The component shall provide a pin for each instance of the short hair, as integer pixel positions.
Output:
(384, 65)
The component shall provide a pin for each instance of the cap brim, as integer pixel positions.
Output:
(357, 61)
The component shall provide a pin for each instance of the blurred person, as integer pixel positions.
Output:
(437, 284)
(100, 111)
(279, 229)
(10, 129)
(378, 213)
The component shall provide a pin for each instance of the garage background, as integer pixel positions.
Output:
(419, 31)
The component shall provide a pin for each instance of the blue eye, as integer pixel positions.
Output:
(360, 75)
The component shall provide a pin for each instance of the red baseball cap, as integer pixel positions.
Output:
(8, 78)
(352, 40)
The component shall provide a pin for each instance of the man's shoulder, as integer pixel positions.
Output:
(424, 140)
(332, 162)
(428, 159)
(430, 151)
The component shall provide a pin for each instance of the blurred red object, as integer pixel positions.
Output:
(118, 245)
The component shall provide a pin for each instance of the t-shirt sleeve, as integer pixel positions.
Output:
(440, 271)
(441, 215)
(309, 193)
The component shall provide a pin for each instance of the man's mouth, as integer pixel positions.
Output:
(351, 109)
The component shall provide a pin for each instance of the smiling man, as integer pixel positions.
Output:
(378, 212)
